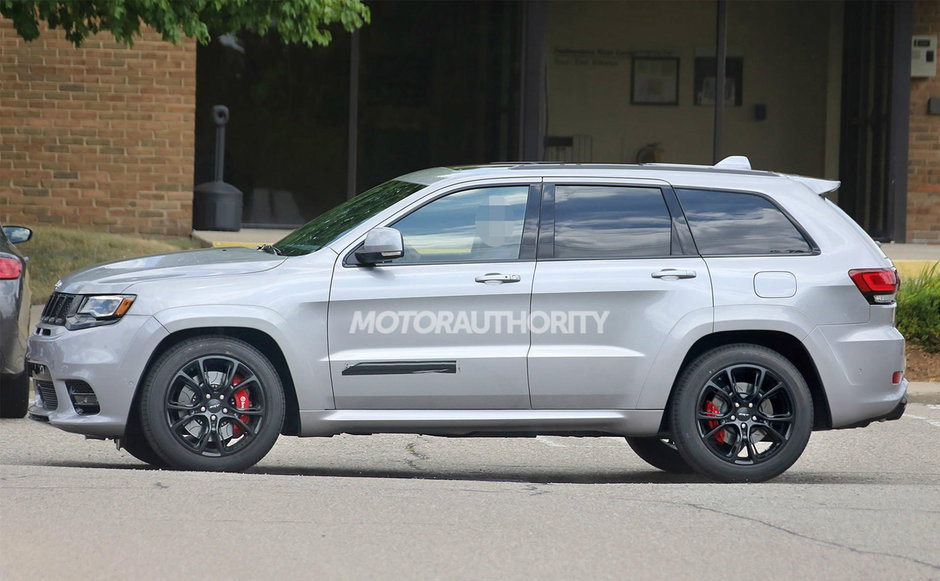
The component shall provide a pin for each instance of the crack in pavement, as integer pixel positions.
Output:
(410, 448)
(814, 539)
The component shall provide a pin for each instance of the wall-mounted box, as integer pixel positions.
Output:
(923, 56)
(933, 106)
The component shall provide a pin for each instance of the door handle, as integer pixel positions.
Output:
(672, 273)
(497, 278)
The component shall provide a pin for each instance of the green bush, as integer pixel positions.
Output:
(918, 315)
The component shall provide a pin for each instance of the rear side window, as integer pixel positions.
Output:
(610, 222)
(726, 223)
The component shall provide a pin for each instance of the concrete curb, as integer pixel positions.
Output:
(923, 392)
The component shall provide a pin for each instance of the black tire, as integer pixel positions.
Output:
(741, 413)
(134, 442)
(140, 449)
(14, 395)
(661, 454)
(188, 411)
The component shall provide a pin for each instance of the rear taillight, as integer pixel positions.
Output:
(10, 268)
(879, 285)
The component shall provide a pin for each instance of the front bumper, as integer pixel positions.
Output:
(110, 359)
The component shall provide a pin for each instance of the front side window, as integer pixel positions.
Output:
(610, 222)
(331, 224)
(483, 224)
(733, 223)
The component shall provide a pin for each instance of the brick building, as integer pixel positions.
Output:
(923, 180)
(99, 137)
(113, 138)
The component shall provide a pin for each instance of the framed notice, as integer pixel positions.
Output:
(705, 81)
(655, 81)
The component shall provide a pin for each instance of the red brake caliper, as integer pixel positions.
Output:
(242, 402)
(712, 410)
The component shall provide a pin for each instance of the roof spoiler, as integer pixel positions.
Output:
(816, 185)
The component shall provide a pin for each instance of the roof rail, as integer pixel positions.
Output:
(734, 162)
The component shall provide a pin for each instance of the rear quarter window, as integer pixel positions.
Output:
(735, 223)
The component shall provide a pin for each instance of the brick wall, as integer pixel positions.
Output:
(99, 137)
(923, 180)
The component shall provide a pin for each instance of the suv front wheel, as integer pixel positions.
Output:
(212, 403)
(660, 453)
(741, 413)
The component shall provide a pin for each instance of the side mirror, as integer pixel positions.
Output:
(17, 234)
(380, 245)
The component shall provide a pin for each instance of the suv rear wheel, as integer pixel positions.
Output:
(212, 403)
(741, 413)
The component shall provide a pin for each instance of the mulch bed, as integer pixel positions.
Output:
(922, 366)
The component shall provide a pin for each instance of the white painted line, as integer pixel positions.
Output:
(928, 420)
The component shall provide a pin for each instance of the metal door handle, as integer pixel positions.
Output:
(495, 277)
(673, 273)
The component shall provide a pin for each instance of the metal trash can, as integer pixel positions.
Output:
(216, 204)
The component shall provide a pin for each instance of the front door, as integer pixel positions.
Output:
(445, 326)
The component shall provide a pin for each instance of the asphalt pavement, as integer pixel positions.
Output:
(859, 504)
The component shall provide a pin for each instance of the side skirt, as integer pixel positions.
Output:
(482, 422)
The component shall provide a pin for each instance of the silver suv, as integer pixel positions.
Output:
(714, 316)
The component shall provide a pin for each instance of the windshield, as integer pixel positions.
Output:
(329, 225)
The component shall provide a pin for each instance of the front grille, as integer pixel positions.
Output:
(58, 307)
(46, 391)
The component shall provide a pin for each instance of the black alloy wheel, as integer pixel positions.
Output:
(212, 403)
(742, 413)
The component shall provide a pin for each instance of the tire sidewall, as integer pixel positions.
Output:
(14, 395)
(153, 412)
(660, 455)
(685, 402)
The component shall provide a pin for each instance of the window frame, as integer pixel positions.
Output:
(681, 244)
(530, 224)
(814, 248)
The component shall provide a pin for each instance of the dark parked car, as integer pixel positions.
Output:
(14, 323)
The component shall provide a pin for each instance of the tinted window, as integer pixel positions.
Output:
(331, 224)
(480, 224)
(735, 223)
(610, 221)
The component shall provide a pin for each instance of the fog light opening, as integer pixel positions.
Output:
(83, 397)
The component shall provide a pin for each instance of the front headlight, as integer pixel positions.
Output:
(95, 310)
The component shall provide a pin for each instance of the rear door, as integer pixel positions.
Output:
(617, 276)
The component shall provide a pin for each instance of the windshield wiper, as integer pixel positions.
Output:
(269, 249)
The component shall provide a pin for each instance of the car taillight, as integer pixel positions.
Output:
(879, 285)
(10, 268)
